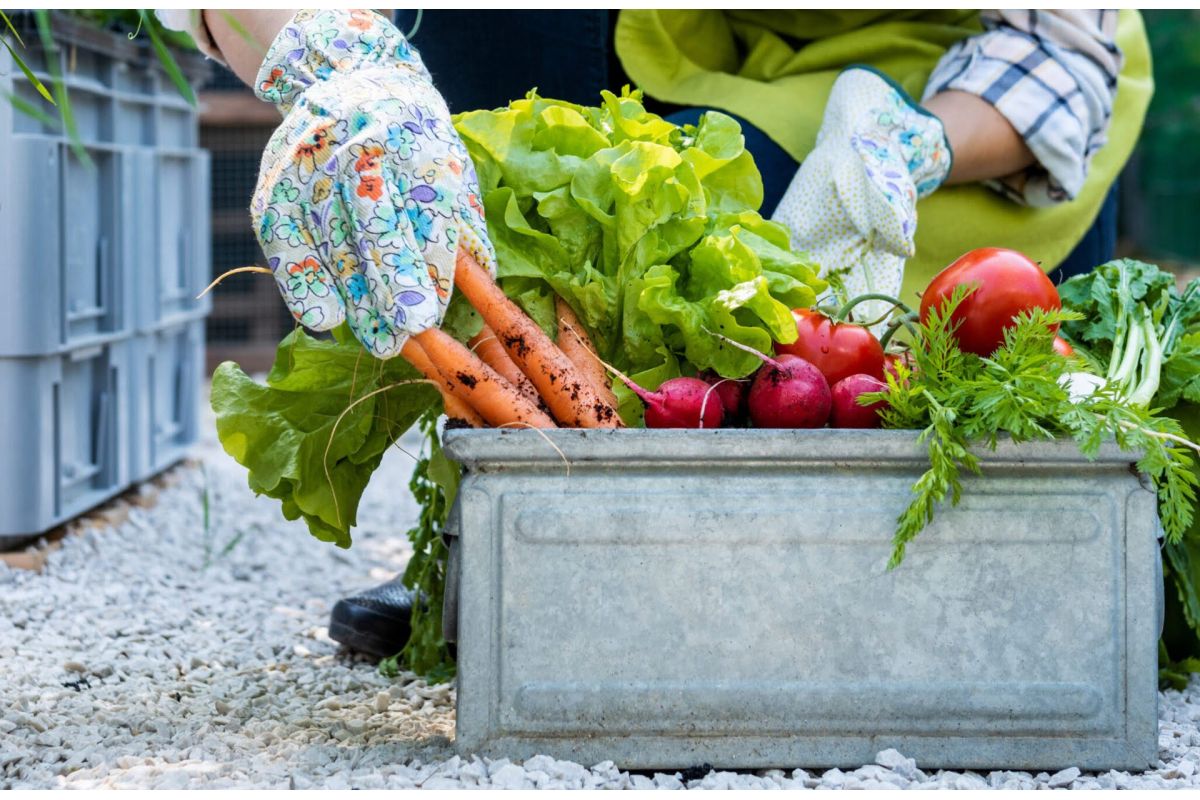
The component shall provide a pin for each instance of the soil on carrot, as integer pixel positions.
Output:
(467, 380)
(517, 342)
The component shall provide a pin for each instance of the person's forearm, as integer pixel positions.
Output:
(985, 144)
(244, 49)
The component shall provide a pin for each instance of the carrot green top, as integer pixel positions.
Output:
(775, 69)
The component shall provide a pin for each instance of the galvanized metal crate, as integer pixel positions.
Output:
(722, 597)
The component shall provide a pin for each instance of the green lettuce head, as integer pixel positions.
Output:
(650, 231)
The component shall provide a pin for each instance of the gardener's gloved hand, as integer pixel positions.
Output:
(853, 202)
(365, 191)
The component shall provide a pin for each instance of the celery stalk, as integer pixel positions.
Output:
(1151, 364)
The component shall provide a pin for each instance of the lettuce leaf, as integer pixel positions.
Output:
(312, 435)
(650, 231)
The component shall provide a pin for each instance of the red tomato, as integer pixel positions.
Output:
(837, 349)
(1006, 282)
(1063, 347)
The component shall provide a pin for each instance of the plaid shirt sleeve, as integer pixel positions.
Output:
(1053, 75)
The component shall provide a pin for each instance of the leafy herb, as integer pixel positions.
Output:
(961, 400)
(1175, 674)
(1139, 329)
(1161, 352)
(164, 56)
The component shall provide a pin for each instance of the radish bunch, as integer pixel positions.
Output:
(786, 392)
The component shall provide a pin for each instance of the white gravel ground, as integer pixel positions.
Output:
(128, 663)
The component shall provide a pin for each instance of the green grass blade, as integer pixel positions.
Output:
(168, 60)
(30, 110)
(60, 88)
(20, 62)
(9, 25)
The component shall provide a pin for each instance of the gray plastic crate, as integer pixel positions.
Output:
(721, 597)
(101, 338)
(168, 381)
(173, 257)
(62, 247)
(119, 91)
(65, 428)
(99, 251)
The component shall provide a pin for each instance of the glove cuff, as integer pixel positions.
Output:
(318, 43)
(899, 133)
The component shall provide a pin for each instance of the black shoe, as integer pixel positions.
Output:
(376, 622)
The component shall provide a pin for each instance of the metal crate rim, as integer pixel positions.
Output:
(472, 447)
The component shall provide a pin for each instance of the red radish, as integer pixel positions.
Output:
(732, 392)
(847, 413)
(1063, 347)
(678, 402)
(789, 392)
(681, 403)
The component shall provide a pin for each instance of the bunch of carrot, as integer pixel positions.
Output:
(513, 374)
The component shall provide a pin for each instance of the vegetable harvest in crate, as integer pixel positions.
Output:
(638, 286)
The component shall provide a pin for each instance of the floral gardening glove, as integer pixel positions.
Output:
(365, 192)
(853, 202)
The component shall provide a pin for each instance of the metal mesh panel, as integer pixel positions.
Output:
(248, 318)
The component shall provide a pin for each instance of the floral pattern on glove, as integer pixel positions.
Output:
(365, 191)
(904, 152)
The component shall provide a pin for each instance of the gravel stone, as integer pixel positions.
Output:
(892, 759)
(1063, 778)
(144, 656)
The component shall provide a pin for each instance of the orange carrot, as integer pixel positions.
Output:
(570, 396)
(454, 406)
(484, 389)
(458, 409)
(488, 347)
(575, 344)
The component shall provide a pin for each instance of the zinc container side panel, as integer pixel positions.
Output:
(671, 613)
(478, 628)
(1143, 568)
